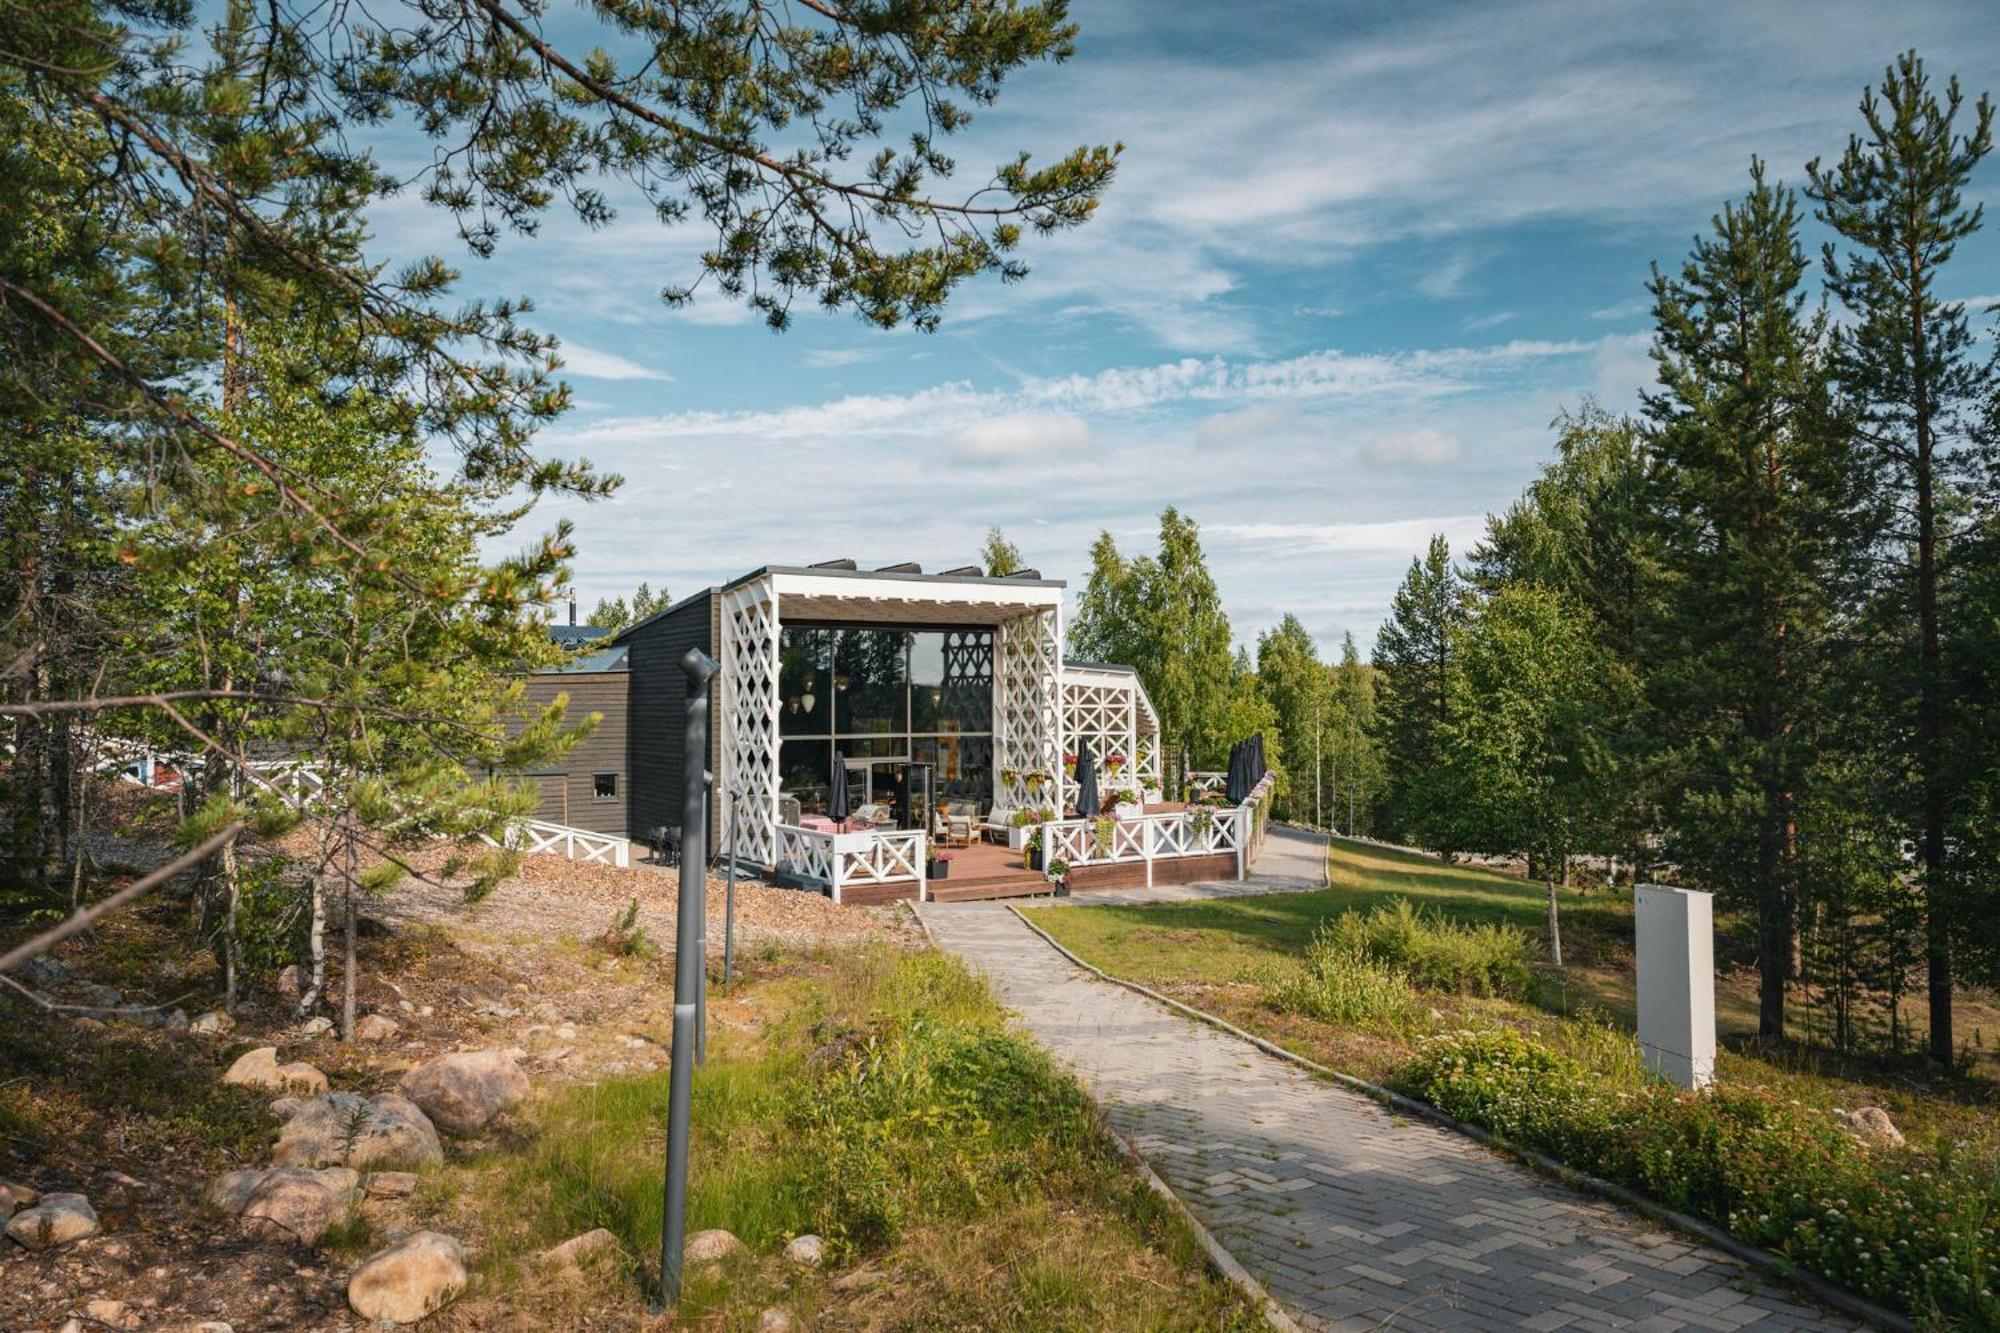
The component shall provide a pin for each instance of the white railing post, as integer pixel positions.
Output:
(923, 867)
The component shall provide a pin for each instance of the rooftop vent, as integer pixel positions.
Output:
(965, 572)
(835, 564)
(907, 567)
(1024, 574)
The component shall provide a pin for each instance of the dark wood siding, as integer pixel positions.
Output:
(657, 731)
(572, 777)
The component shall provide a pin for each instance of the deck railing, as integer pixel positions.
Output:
(843, 861)
(575, 844)
(1200, 831)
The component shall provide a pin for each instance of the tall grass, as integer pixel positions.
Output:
(1431, 950)
(890, 1110)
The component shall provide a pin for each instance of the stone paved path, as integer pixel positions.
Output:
(1351, 1216)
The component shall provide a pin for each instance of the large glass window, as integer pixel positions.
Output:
(877, 697)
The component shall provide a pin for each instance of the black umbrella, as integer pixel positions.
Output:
(1233, 789)
(1258, 768)
(1086, 780)
(836, 801)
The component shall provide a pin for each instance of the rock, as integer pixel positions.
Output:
(807, 1251)
(103, 997)
(57, 1219)
(114, 1314)
(775, 1319)
(177, 1021)
(711, 1246)
(286, 1107)
(43, 971)
(87, 1024)
(389, 1184)
(314, 1027)
(466, 1091)
(376, 1027)
(13, 1198)
(291, 981)
(214, 1023)
(259, 1068)
(1872, 1126)
(416, 1276)
(232, 1189)
(293, 1204)
(578, 1251)
(384, 1132)
(212, 1326)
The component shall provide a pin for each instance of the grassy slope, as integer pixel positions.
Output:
(875, 1098)
(1222, 954)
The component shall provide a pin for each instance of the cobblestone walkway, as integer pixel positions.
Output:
(1351, 1216)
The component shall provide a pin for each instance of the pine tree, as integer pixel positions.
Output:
(1298, 687)
(1908, 363)
(1755, 495)
(1414, 660)
(999, 556)
(1183, 649)
(1354, 773)
(1105, 626)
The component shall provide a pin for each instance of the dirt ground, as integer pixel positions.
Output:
(136, 1117)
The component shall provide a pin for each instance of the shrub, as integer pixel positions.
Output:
(1433, 951)
(1914, 1229)
(1337, 988)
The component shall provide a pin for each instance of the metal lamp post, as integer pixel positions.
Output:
(688, 968)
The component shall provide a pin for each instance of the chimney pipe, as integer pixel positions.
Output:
(572, 608)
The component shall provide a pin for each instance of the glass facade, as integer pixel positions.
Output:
(877, 698)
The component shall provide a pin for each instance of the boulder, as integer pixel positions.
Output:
(57, 1219)
(13, 1198)
(232, 1189)
(415, 1277)
(259, 1068)
(376, 1027)
(466, 1091)
(1872, 1126)
(291, 981)
(712, 1246)
(573, 1254)
(43, 971)
(314, 1027)
(102, 996)
(286, 1107)
(385, 1132)
(775, 1319)
(214, 1023)
(807, 1251)
(389, 1184)
(177, 1021)
(292, 1204)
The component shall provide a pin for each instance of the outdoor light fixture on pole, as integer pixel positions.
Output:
(688, 968)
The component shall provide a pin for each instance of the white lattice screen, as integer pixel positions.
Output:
(750, 714)
(1112, 712)
(1027, 716)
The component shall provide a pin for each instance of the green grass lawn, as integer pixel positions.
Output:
(1224, 954)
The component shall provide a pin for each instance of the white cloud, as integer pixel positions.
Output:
(836, 358)
(1447, 280)
(593, 364)
(1416, 448)
(1475, 323)
(1024, 435)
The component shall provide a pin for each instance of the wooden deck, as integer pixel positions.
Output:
(984, 870)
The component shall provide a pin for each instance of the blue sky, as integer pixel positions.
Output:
(1357, 258)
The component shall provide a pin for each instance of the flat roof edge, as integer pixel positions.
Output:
(882, 575)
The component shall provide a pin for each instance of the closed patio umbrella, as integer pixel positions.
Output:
(1233, 789)
(1258, 768)
(1086, 780)
(836, 800)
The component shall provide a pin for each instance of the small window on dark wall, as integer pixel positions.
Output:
(604, 786)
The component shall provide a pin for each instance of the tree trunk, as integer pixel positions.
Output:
(1930, 709)
(347, 967)
(316, 941)
(1555, 929)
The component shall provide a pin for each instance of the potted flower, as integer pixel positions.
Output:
(940, 865)
(1035, 781)
(1200, 821)
(1032, 857)
(1058, 877)
(1129, 806)
(1102, 831)
(1069, 765)
(1018, 825)
(1113, 762)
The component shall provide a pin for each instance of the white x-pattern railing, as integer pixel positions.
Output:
(1199, 831)
(575, 844)
(843, 861)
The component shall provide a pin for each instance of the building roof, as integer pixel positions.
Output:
(603, 659)
(845, 570)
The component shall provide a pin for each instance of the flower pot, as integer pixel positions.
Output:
(1017, 836)
(1034, 858)
(939, 870)
(1060, 889)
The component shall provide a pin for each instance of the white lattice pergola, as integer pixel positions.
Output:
(1108, 706)
(1025, 614)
